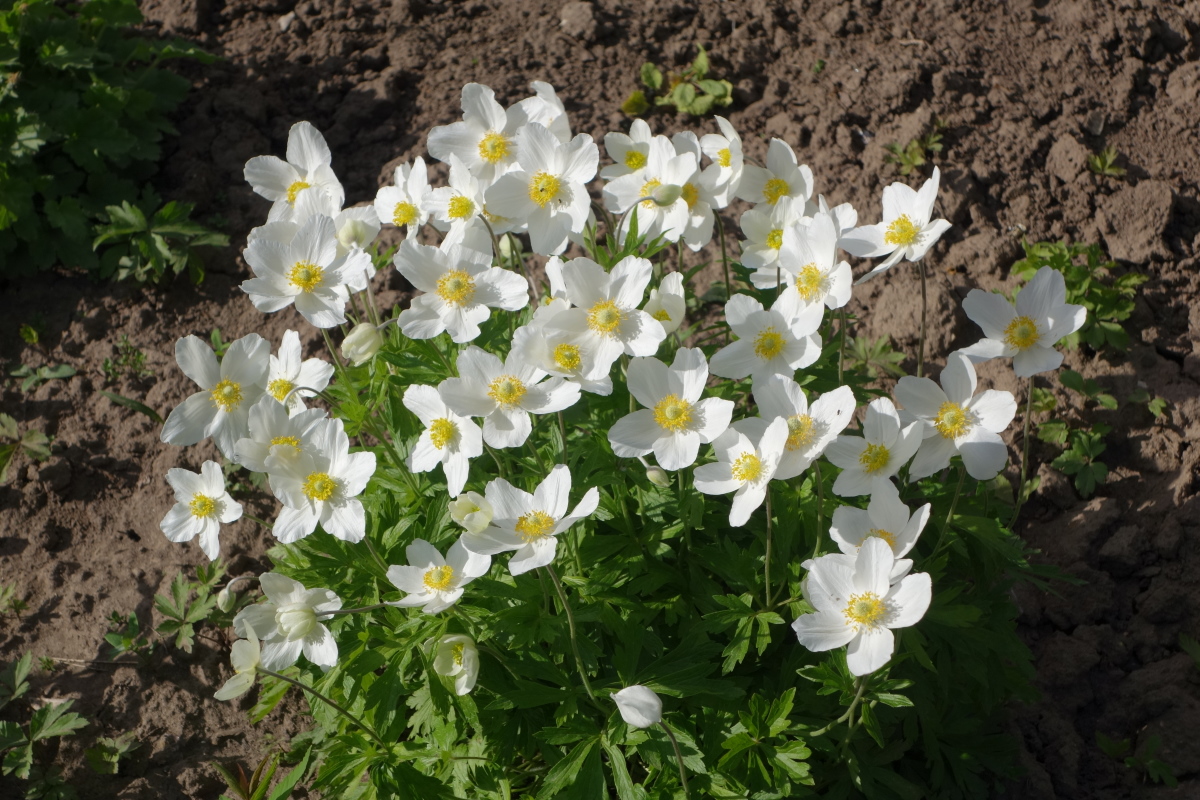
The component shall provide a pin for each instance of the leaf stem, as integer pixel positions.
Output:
(767, 555)
(1020, 499)
(678, 758)
(340, 709)
(921, 344)
(562, 596)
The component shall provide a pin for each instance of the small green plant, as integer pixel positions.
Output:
(150, 248)
(1141, 761)
(50, 721)
(690, 91)
(1105, 163)
(105, 757)
(34, 444)
(1087, 387)
(188, 604)
(10, 603)
(381, 258)
(818, 67)
(258, 783)
(876, 356)
(1080, 459)
(125, 636)
(218, 342)
(915, 154)
(1154, 404)
(29, 334)
(32, 378)
(130, 361)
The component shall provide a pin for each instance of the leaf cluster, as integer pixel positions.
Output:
(105, 756)
(1142, 760)
(51, 720)
(32, 378)
(34, 444)
(1105, 163)
(189, 604)
(150, 248)
(915, 154)
(691, 91)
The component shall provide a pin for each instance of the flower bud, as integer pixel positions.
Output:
(355, 233)
(658, 476)
(363, 342)
(471, 511)
(226, 599)
(295, 620)
(506, 247)
(456, 657)
(666, 194)
(639, 706)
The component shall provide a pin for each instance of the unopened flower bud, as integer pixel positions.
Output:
(471, 511)
(639, 706)
(355, 233)
(226, 600)
(363, 341)
(666, 194)
(506, 247)
(456, 657)
(658, 476)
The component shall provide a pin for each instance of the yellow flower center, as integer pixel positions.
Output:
(543, 188)
(460, 207)
(456, 652)
(874, 458)
(442, 432)
(690, 194)
(456, 287)
(493, 147)
(203, 506)
(801, 430)
(294, 191)
(534, 525)
(724, 157)
(404, 214)
(673, 413)
(1021, 333)
(507, 390)
(746, 468)
(604, 317)
(768, 344)
(902, 232)
(880, 533)
(808, 282)
(661, 315)
(775, 239)
(775, 189)
(648, 189)
(319, 486)
(305, 275)
(279, 388)
(566, 356)
(952, 420)
(227, 395)
(865, 610)
(438, 579)
(291, 441)
(635, 160)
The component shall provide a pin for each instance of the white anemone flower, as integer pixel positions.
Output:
(403, 204)
(698, 195)
(1028, 331)
(782, 177)
(668, 303)
(775, 341)
(674, 421)
(880, 452)
(764, 227)
(472, 511)
(886, 517)
(529, 523)
(810, 265)
(504, 393)
(228, 389)
(629, 153)
(545, 109)
(907, 231)
(433, 582)
(955, 420)
(290, 379)
(201, 505)
(744, 466)
(460, 287)
(570, 355)
(548, 188)
(485, 139)
(858, 606)
(448, 439)
(307, 167)
(287, 623)
(459, 204)
(457, 657)
(321, 487)
(246, 659)
(275, 432)
(639, 706)
(725, 150)
(810, 429)
(660, 209)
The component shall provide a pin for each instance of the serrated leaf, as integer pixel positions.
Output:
(55, 719)
(11, 735)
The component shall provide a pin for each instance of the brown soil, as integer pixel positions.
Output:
(1026, 89)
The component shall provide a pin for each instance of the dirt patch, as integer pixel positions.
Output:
(1024, 91)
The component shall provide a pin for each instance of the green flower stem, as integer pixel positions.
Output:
(372, 308)
(562, 429)
(767, 555)
(842, 346)
(678, 758)
(562, 596)
(328, 701)
(252, 518)
(724, 264)
(921, 344)
(962, 474)
(337, 361)
(1020, 498)
(820, 507)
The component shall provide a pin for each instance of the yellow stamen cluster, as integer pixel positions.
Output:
(543, 188)
(439, 579)
(1021, 333)
(507, 390)
(291, 441)
(801, 431)
(442, 432)
(746, 468)
(279, 388)
(534, 525)
(874, 458)
(673, 413)
(690, 194)
(768, 344)
(775, 239)
(648, 189)
(724, 157)
(880, 533)
(661, 315)
(227, 395)
(808, 282)
(635, 160)
(319, 486)
(605, 317)
(305, 275)
(404, 214)
(902, 232)
(460, 207)
(203, 506)
(456, 287)
(294, 191)
(566, 356)
(865, 610)
(493, 147)
(775, 189)
(952, 420)
(456, 652)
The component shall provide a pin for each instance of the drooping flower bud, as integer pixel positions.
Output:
(666, 194)
(456, 657)
(658, 476)
(639, 706)
(363, 342)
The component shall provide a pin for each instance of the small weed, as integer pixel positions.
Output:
(125, 636)
(34, 444)
(189, 604)
(130, 361)
(149, 248)
(1080, 458)
(10, 603)
(1142, 761)
(1105, 163)
(818, 67)
(690, 91)
(915, 154)
(32, 378)
(105, 757)
(218, 343)
(1154, 404)
(50, 721)
(876, 356)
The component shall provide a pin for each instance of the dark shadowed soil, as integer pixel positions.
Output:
(1025, 92)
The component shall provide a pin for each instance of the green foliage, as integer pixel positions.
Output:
(52, 720)
(690, 91)
(29, 334)
(914, 154)
(1080, 459)
(1154, 404)
(219, 344)
(130, 362)
(875, 357)
(257, 784)
(133, 405)
(150, 248)
(34, 444)
(818, 67)
(125, 636)
(1088, 388)
(1105, 163)
(189, 604)
(1142, 761)
(10, 603)
(1090, 281)
(83, 111)
(33, 378)
(105, 756)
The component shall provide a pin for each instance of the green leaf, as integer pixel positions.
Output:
(717, 89)
(18, 761)
(13, 683)
(53, 719)
(283, 789)
(700, 63)
(620, 772)
(11, 735)
(652, 77)
(565, 772)
(134, 405)
(893, 700)
(270, 693)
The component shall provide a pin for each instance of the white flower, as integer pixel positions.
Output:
(770, 342)
(362, 343)
(1027, 332)
(529, 523)
(725, 149)
(287, 623)
(289, 378)
(307, 167)
(885, 517)
(460, 203)
(274, 432)
(448, 439)
(572, 355)
(668, 302)
(781, 177)
(485, 139)
(472, 511)
(221, 410)
(743, 466)
(639, 706)
(433, 582)
(698, 196)
(245, 658)
(504, 394)
(879, 453)
(461, 287)
(810, 264)
(629, 153)
(403, 204)
(307, 271)
(457, 657)
(657, 213)
(764, 227)
(201, 505)
(674, 421)
(809, 430)
(548, 188)
(956, 420)
(322, 487)
(858, 606)
(907, 230)
(545, 109)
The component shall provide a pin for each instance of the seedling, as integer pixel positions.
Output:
(690, 91)
(130, 362)
(32, 378)
(1105, 163)
(1142, 761)
(106, 756)
(125, 636)
(915, 154)
(10, 603)
(34, 444)
(876, 356)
